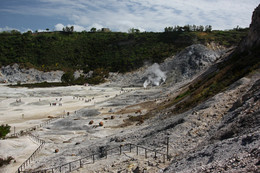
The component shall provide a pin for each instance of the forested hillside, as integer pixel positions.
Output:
(111, 51)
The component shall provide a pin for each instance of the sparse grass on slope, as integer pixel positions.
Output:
(235, 67)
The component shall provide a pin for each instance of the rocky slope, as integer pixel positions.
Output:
(184, 66)
(13, 74)
(231, 140)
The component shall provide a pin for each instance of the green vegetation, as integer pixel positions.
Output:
(109, 51)
(41, 85)
(4, 130)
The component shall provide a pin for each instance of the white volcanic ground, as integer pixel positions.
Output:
(24, 108)
(73, 136)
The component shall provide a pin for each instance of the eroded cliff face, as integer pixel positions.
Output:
(253, 38)
(13, 74)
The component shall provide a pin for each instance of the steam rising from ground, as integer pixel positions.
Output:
(155, 76)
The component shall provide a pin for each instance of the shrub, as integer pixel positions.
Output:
(4, 130)
(67, 77)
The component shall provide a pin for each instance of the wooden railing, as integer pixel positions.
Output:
(33, 155)
(76, 164)
(28, 130)
(36, 139)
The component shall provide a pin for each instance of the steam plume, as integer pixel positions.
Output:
(155, 76)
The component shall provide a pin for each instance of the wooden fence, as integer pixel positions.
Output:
(76, 164)
(36, 139)
(33, 156)
(28, 130)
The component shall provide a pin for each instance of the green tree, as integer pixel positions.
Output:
(93, 29)
(187, 28)
(68, 29)
(200, 28)
(68, 77)
(133, 30)
(168, 29)
(208, 28)
(15, 32)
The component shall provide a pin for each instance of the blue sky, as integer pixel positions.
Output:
(120, 15)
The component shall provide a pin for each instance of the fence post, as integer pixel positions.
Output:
(120, 149)
(136, 150)
(167, 151)
(52, 170)
(164, 158)
(155, 155)
(106, 154)
(93, 158)
(130, 147)
(145, 153)
(70, 167)
(80, 164)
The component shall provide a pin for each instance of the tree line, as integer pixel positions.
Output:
(188, 28)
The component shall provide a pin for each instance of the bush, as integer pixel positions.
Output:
(6, 161)
(4, 130)
(67, 77)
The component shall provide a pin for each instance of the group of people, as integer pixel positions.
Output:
(18, 100)
(86, 100)
(55, 103)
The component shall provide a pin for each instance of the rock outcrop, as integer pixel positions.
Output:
(14, 74)
(230, 145)
(253, 38)
(189, 63)
(185, 65)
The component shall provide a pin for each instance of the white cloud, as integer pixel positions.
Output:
(59, 27)
(149, 15)
(78, 28)
(26, 30)
(7, 28)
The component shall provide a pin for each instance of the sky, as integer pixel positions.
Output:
(121, 15)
